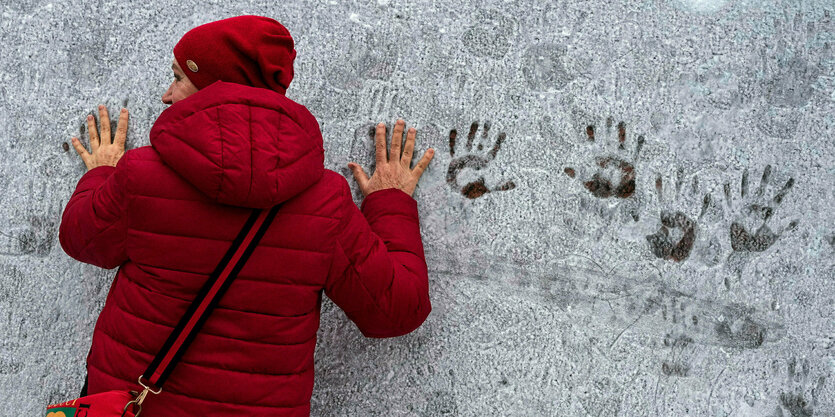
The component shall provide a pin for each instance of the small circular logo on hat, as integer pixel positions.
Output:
(191, 65)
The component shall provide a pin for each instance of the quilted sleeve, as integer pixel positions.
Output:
(94, 222)
(379, 276)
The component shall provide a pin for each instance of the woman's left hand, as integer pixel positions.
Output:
(104, 152)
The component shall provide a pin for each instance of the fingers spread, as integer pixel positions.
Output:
(94, 133)
(380, 144)
(360, 176)
(104, 121)
(423, 163)
(396, 140)
(408, 148)
(79, 148)
(122, 129)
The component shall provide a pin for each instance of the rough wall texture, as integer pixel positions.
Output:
(635, 216)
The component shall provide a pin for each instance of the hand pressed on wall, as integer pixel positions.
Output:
(393, 171)
(103, 150)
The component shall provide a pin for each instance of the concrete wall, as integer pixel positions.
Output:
(680, 263)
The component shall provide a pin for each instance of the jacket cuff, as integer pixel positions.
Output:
(388, 200)
(99, 171)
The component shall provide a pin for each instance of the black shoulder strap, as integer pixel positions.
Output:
(208, 297)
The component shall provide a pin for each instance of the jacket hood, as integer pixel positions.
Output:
(241, 145)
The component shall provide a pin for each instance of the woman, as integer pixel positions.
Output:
(165, 214)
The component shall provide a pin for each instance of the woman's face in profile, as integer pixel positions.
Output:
(180, 88)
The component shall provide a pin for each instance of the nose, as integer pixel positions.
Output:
(167, 97)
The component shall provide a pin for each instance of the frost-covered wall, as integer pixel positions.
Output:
(630, 211)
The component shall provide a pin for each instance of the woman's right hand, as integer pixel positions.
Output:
(393, 171)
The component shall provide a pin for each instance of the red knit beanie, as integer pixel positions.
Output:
(250, 50)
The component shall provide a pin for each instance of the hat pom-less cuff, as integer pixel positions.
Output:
(250, 50)
(194, 75)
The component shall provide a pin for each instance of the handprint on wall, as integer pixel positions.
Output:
(756, 208)
(675, 238)
(801, 390)
(363, 149)
(615, 174)
(477, 188)
(790, 67)
(751, 213)
(32, 228)
(544, 67)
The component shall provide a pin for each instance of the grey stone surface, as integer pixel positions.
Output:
(681, 263)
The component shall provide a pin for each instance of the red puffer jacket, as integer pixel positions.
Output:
(167, 213)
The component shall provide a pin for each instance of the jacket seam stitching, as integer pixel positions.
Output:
(303, 342)
(340, 225)
(242, 404)
(202, 399)
(212, 203)
(304, 154)
(225, 240)
(93, 239)
(352, 265)
(189, 145)
(282, 109)
(251, 163)
(219, 308)
(157, 277)
(370, 295)
(130, 201)
(109, 336)
(222, 164)
(377, 216)
(278, 162)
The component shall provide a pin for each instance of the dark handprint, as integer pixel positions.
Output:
(665, 247)
(675, 238)
(615, 175)
(757, 207)
(475, 188)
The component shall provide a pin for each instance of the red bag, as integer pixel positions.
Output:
(108, 403)
(129, 403)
